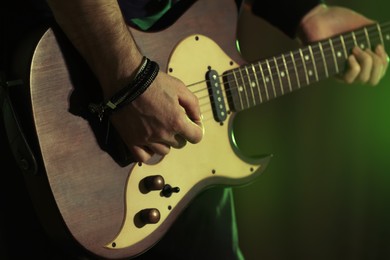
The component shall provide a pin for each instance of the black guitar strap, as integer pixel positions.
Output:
(19, 146)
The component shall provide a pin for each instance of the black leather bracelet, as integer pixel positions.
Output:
(144, 77)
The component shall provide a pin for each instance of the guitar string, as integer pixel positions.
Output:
(358, 33)
(260, 88)
(270, 75)
(261, 91)
(208, 103)
(328, 48)
(274, 66)
(383, 29)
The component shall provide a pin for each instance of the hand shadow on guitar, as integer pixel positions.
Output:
(86, 90)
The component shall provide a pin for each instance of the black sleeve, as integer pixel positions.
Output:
(283, 14)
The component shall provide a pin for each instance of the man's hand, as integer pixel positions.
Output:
(166, 115)
(365, 66)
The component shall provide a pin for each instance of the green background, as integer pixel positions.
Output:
(326, 192)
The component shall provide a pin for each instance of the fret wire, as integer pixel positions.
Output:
(314, 63)
(380, 33)
(287, 72)
(238, 89)
(304, 66)
(295, 68)
(316, 52)
(280, 79)
(270, 74)
(344, 43)
(323, 59)
(243, 87)
(265, 83)
(250, 85)
(334, 55)
(368, 39)
(257, 83)
(344, 48)
(354, 38)
(362, 43)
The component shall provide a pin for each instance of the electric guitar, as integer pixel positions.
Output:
(118, 210)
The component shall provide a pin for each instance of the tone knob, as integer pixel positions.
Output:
(150, 216)
(155, 182)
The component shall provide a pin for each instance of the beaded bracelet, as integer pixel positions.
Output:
(144, 77)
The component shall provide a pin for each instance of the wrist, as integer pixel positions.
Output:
(143, 78)
(119, 72)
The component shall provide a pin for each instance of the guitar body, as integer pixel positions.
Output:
(89, 199)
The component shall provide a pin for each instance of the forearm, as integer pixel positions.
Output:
(97, 30)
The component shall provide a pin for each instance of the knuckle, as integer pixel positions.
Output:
(355, 68)
(164, 152)
(364, 77)
(178, 124)
(195, 100)
(142, 157)
(378, 62)
(367, 56)
(373, 82)
(348, 79)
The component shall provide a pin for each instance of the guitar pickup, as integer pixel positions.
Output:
(216, 96)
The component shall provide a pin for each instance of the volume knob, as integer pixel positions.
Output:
(155, 182)
(150, 216)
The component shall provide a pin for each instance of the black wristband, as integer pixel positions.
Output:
(143, 79)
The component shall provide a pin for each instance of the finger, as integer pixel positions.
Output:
(377, 70)
(180, 141)
(380, 51)
(191, 131)
(190, 103)
(141, 154)
(191, 125)
(365, 60)
(174, 140)
(353, 70)
(159, 148)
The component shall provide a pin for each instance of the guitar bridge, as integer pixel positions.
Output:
(216, 97)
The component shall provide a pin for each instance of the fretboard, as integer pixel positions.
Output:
(256, 83)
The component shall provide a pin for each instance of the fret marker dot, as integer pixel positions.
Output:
(307, 57)
(388, 37)
(282, 74)
(253, 84)
(267, 79)
(362, 46)
(310, 73)
(339, 54)
(240, 89)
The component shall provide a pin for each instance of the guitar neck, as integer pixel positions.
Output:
(256, 83)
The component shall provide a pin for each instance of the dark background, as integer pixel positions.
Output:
(325, 194)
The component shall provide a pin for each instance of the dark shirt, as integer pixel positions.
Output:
(283, 14)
